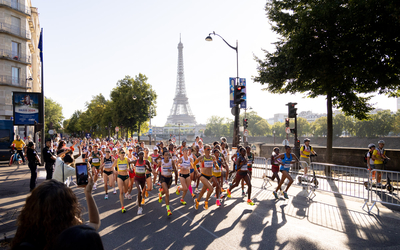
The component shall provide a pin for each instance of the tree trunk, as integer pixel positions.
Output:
(138, 133)
(329, 128)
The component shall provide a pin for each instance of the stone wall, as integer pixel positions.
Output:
(341, 156)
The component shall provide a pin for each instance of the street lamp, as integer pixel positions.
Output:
(236, 123)
(274, 137)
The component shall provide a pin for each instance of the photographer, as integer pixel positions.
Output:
(62, 169)
(33, 161)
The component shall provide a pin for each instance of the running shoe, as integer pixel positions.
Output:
(129, 197)
(106, 197)
(126, 195)
(158, 184)
(196, 204)
(159, 197)
(250, 202)
(197, 191)
(193, 195)
(154, 186)
(276, 195)
(115, 192)
(223, 190)
(123, 210)
(147, 194)
(140, 210)
(143, 201)
(285, 195)
(160, 190)
(178, 191)
(243, 193)
(229, 193)
(205, 205)
(218, 202)
(169, 212)
(94, 186)
(183, 202)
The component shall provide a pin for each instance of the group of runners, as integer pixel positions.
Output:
(129, 164)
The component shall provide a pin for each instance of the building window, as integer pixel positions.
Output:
(14, 4)
(16, 25)
(15, 76)
(15, 50)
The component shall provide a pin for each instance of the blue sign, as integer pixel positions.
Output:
(242, 81)
(26, 107)
(150, 131)
(232, 82)
(88, 135)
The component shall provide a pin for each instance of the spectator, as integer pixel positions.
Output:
(33, 161)
(62, 169)
(50, 209)
(19, 145)
(84, 238)
(49, 158)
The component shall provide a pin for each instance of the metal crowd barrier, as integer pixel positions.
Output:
(387, 192)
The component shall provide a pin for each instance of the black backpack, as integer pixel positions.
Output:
(366, 156)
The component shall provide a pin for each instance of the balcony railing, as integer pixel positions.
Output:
(16, 6)
(16, 30)
(12, 55)
(12, 80)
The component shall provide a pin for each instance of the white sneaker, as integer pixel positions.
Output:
(94, 186)
(129, 197)
(126, 195)
(140, 210)
(197, 191)
(115, 192)
(106, 197)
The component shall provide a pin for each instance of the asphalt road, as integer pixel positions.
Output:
(329, 222)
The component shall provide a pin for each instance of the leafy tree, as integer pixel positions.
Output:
(338, 49)
(53, 114)
(303, 126)
(319, 127)
(396, 123)
(217, 126)
(279, 128)
(261, 128)
(253, 119)
(383, 123)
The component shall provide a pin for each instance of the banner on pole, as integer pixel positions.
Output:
(27, 108)
(232, 82)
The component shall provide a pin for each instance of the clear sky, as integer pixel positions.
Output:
(90, 45)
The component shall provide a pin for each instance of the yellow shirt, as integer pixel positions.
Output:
(378, 156)
(306, 151)
(19, 144)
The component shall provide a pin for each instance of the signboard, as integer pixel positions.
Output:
(150, 131)
(242, 81)
(246, 132)
(88, 135)
(287, 130)
(116, 129)
(27, 108)
(232, 83)
(285, 142)
(51, 132)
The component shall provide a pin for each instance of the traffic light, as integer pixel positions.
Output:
(245, 122)
(239, 138)
(292, 110)
(239, 95)
(293, 130)
(287, 122)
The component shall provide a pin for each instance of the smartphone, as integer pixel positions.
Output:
(81, 174)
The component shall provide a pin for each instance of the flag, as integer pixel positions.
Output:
(41, 46)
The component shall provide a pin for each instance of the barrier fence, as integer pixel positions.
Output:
(344, 180)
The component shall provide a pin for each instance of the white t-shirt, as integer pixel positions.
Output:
(58, 171)
(369, 154)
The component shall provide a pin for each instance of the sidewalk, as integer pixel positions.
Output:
(330, 211)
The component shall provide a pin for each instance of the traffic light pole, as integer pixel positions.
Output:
(296, 144)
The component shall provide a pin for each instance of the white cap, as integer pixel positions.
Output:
(104, 146)
(155, 148)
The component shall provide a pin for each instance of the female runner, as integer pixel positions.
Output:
(108, 173)
(184, 164)
(141, 166)
(286, 158)
(149, 185)
(96, 159)
(207, 160)
(122, 165)
(167, 167)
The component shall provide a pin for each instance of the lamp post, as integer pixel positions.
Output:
(274, 137)
(235, 142)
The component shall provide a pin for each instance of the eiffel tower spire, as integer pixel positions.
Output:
(180, 111)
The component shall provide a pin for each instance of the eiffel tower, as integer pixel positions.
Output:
(180, 111)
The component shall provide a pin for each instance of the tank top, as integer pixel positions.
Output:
(215, 170)
(165, 167)
(140, 168)
(286, 161)
(207, 162)
(96, 159)
(185, 163)
(122, 164)
(244, 167)
(250, 160)
(153, 159)
(108, 162)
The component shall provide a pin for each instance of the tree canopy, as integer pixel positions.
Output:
(342, 49)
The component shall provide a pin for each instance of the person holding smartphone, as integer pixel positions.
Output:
(123, 166)
(63, 170)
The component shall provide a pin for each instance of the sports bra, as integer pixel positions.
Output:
(140, 168)
(165, 166)
(207, 163)
(185, 163)
(108, 162)
(286, 161)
